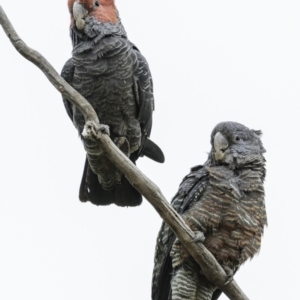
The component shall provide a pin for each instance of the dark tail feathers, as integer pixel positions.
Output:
(91, 190)
(152, 151)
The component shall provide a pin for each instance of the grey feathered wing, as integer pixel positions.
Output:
(67, 74)
(191, 189)
(143, 90)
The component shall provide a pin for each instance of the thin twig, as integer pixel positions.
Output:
(210, 267)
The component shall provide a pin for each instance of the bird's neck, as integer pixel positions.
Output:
(256, 164)
(95, 31)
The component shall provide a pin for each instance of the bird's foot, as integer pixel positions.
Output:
(103, 129)
(229, 274)
(90, 136)
(91, 130)
(199, 237)
(123, 144)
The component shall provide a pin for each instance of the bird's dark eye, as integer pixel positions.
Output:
(97, 3)
(237, 138)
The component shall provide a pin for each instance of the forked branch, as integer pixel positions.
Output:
(210, 267)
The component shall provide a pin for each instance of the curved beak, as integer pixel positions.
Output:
(220, 145)
(79, 14)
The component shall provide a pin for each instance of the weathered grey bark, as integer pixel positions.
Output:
(213, 271)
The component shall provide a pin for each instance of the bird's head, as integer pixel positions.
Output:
(103, 11)
(91, 18)
(236, 145)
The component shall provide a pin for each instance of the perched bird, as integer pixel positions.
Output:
(224, 200)
(112, 74)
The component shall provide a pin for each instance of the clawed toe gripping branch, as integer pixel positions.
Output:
(92, 130)
(210, 267)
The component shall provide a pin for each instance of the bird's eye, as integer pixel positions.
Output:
(97, 3)
(237, 138)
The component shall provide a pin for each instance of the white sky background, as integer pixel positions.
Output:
(211, 61)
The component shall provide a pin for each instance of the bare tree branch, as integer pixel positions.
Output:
(210, 267)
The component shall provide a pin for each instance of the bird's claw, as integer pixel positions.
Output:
(123, 144)
(91, 130)
(199, 237)
(229, 274)
(103, 129)
(228, 279)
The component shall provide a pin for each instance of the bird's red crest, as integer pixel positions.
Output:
(105, 12)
